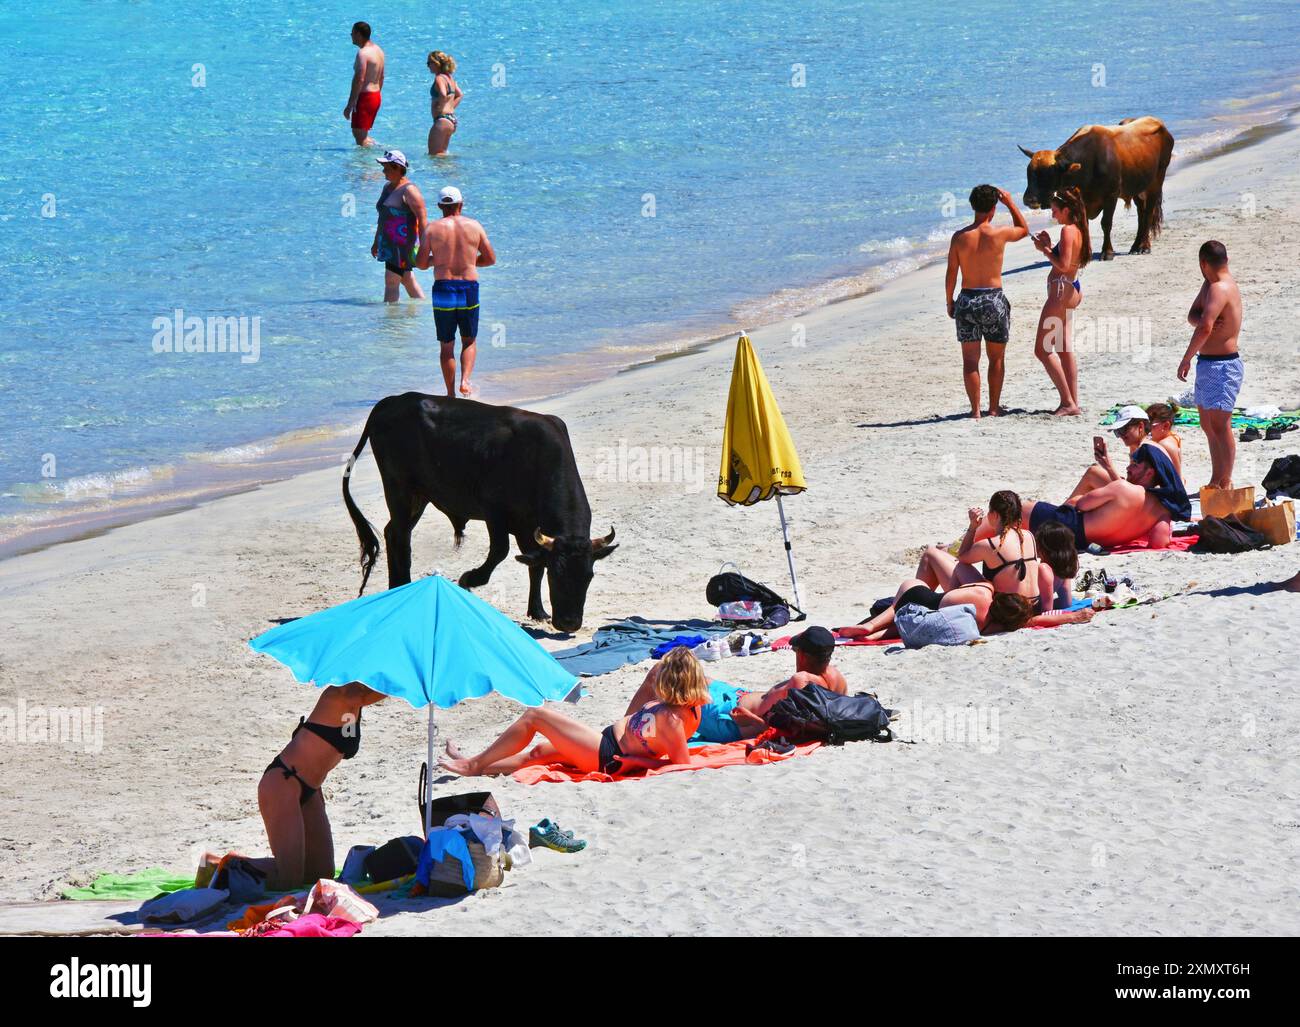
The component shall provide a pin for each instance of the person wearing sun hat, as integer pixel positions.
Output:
(403, 221)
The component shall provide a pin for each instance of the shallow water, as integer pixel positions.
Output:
(650, 174)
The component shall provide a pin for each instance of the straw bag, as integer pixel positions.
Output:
(448, 882)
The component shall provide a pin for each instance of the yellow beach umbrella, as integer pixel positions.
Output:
(758, 456)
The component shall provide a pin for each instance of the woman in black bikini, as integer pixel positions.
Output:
(653, 736)
(445, 98)
(1064, 293)
(1010, 561)
(289, 794)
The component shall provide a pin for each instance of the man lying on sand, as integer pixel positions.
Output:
(734, 713)
(1142, 505)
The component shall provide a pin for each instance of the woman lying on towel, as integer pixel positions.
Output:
(652, 736)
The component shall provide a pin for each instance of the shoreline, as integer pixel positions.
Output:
(286, 455)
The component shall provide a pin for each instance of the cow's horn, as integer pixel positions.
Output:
(601, 543)
(545, 541)
(1027, 153)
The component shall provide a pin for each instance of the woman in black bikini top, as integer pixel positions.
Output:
(289, 796)
(1018, 575)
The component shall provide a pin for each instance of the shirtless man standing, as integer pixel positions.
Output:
(367, 82)
(981, 310)
(456, 247)
(1216, 316)
(1123, 511)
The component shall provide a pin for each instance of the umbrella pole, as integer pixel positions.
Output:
(428, 780)
(789, 553)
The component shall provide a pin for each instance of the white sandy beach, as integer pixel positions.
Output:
(1134, 776)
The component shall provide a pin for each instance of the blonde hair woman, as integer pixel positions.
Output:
(653, 736)
(446, 97)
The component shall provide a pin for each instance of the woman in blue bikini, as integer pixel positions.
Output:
(1064, 293)
(446, 97)
(653, 736)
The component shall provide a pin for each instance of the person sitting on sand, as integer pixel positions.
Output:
(1163, 435)
(1064, 292)
(734, 713)
(1132, 428)
(1140, 506)
(289, 794)
(655, 735)
(1010, 562)
(1057, 567)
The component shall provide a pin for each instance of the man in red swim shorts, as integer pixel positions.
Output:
(367, 82)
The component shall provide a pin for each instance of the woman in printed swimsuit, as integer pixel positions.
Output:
(289, 794)
(446, 97)
(653, 736)
(1064, 293)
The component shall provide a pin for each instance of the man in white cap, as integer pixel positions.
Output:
(1132, 427)
(456, 247)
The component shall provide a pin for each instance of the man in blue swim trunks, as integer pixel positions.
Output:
(735, 713)
(1216, 316)
(455, 247)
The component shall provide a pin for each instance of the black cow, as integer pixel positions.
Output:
(513, 469)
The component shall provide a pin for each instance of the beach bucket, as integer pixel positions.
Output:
(1226, 502)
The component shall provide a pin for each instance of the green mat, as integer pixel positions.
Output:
(142, 885)
(1188, 416)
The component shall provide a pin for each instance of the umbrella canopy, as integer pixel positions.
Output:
(758, 456)
(429, 642)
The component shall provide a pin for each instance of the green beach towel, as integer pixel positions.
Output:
(144, 884)
(1188, 416)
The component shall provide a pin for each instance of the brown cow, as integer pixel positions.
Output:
(1108, 163)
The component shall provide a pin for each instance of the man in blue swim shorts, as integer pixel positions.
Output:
(1216, 316)
(455, 247)
(735, 713)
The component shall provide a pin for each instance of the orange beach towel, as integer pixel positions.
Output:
(732, 754)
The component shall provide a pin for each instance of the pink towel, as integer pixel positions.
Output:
(313, 925)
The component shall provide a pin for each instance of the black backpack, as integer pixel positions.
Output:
(734, 587)
(1284, 477)
(1227, 535)
(816, 714)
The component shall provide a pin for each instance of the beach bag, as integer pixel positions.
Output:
(449, 805)
(394, 859)
(816, 714)
(447, 881)
(733, 587)
(1227, 535)
(1283, 477)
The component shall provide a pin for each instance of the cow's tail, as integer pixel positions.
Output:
(1155, 212)
(365, 533)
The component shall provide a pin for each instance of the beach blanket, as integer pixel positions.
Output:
(1177, 544)
(615, 645)
(732, 754)
(144, 884)
(1188, 416)
(784, 642)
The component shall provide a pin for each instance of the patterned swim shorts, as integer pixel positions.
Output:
(1218, 381)
(982, 313)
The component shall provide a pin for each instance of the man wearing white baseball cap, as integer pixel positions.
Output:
(456, 247)
(1132, 426)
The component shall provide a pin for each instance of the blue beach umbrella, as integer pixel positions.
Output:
(430, 642)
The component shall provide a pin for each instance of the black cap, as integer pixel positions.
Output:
(815, 641)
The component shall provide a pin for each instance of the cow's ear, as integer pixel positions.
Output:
(534, 559)
(1073, 169)
(602, 552)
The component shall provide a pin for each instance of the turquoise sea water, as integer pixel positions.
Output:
(195, 157)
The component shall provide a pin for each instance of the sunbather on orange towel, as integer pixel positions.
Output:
(654, 735)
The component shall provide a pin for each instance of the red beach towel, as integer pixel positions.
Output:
(732, 754)
(1177, 544)
(784, 643)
